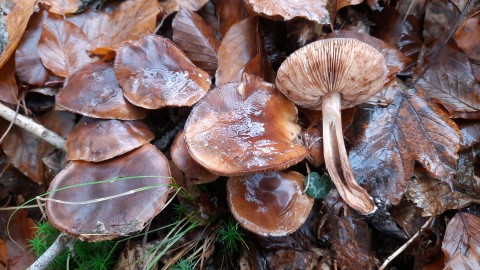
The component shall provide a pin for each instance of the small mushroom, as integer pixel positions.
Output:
(98, 140)
(331, 75)
(270, 204)
(109, 209)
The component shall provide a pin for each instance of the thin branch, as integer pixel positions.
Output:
(32, 127)
(63, 241)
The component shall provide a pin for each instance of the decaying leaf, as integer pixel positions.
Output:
(131, 20)
(62, 7)
(467, 37)
(196, 39)
(16, 23)
(470, 134)
(242, 51)
(435, 197)
(171, 6)
(229, 12)
(439, 18)
(154, 73)
(451, 82)
(461, 244)
(393, 138)
(62, 47)
(314, 10)
(9, 91)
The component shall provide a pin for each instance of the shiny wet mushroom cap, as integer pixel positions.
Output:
(270, 204)
(105, 210)
(330, 75)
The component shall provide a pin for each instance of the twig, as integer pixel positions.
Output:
(63, 241)
(402, 248)
(32, 127)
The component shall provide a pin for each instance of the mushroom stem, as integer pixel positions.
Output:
(336, 158)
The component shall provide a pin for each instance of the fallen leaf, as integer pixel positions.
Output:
(154, 73)
(130, 20)
(171, 6)
(242, 51)
(467, 37)
(314, 10)
(27, 59)
(461, 244)
(196, 39)
(415, 8)
(440, 17)
(62, 47)
(344, 3)
(16, 23)
(470, 133)
(465, 178)
(408, 217)
(393, 138)
(9, 91)
(435, 197)
(229, 12)
(451, 82)
(62, 7)
(93, 91)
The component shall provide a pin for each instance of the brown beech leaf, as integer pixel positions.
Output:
(468, 37)
(465, 178)
(244, 127)
(131, 20)
(62, 47)
(461, 244)
(27, 60)
(470, 133)
(393, 138)
(451, 82)
(435, 197)
(314, 10)
(16, 235)
(242, 51)
(229, 12)
(9, 91)
(93, 91)
(344, 3)
(154, 73)
(26, 151)
(16, 21)
(405, 34)
(171, 6)
(196, 39)
(440, 17)
(62, 7)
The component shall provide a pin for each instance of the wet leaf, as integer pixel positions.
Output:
(314, 10)
(440, 16)
(27, 59)
(318, 186)
(465, 178)
(435, 197)
(461, 244)
(196, 39)
(405, 34)
(467, 37)
(393, 138)
(16, 23)
(450, 81)
(242, 51)
(229, 12)
(62, 7)
(244, 127)
(154, 73)
(93, 91)
(470, 134)
(62, 47)
(9, 91)
(131, 20)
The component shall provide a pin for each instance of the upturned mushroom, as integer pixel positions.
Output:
(330, 75)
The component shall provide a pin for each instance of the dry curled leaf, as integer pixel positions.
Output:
(131, 20)
(393, 138)
(242, 51)
(16, 23)
(62, 47)
(461, 244)
(154, 73)
(196, 39)
(62, 7)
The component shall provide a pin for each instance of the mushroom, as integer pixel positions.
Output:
(269, 204)
(331, 75)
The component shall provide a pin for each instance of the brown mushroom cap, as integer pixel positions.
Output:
(88, 217)
(270, 204)
(184, 161)
(348, 66)
(93, 91)
(98, 140)
(244, 127)
(154, 73)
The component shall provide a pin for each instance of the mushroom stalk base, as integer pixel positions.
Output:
(336, 158)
